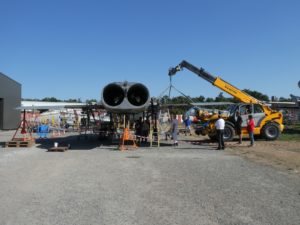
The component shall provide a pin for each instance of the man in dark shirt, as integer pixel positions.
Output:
(238, 126)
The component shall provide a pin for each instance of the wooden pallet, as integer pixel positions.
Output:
(58, 149)
(19, 144)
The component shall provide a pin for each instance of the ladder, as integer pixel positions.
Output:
(154, 137)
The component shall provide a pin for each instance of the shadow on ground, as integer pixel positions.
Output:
(88, 142)
(74, 142)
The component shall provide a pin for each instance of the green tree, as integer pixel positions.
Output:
(258, 95)
(180, 100)
(71, 100)
(30, 99)
(209, 100)
(51, 99)
(282, 99)
(91, 101)
(165, 100)
(220, 98)
(201, 98)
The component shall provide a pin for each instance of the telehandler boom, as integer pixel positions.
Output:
(268, 122)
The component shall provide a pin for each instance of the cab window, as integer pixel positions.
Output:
(258, 109)
(245, 109)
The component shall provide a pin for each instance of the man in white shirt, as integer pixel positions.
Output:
(220, 125)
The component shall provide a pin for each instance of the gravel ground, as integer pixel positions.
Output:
(95, 184)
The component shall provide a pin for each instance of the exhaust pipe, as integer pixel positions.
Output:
(125, 97)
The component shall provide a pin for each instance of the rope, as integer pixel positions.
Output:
(183, 94)
(169, 89)
(180, 92)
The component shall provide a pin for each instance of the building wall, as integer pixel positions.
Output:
(10, 98)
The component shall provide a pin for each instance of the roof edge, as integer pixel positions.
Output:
(10, 78)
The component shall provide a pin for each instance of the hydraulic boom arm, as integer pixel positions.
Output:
(269, 123)
(216, 81)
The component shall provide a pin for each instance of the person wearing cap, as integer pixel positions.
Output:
(220, 125)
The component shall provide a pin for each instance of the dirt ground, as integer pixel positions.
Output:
(282, 154)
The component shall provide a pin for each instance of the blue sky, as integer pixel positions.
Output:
(73, 48)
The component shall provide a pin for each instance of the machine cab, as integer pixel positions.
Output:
(255, 110)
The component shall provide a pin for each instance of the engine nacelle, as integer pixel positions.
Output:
(125, 97)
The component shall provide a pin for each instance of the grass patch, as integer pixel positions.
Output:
(291, 133)
(289, 137)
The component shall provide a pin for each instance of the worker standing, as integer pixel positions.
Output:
(238, 126)
(43, 130)
(145, 130)
(220, 125)
(138, 129)
(174, 129)
(250, 128)
(187, 123)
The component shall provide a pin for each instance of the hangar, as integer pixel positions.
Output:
(10, 98)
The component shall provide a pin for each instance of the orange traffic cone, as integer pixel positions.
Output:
(125, 138)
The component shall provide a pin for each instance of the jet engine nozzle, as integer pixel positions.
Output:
(125, 97)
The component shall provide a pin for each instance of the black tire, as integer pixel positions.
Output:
(228, 133)
(270, 131)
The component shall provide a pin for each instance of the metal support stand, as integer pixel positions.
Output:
(23, 126)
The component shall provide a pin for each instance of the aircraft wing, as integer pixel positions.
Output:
(38, 105)
(211, 103)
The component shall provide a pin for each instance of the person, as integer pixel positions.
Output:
(138, 129)
(43, 130)
(248, 109)
(174, 130)
(220, 125)
(187, 123)
(169, 131)
(145, 130)
(238, 126)
(250, 128)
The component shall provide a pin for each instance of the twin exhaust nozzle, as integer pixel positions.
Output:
(125, 97)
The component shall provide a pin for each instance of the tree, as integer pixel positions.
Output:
(71, 100)
(91, 101)
(257, 95)
(30, 99)
(51, 99)
(209, 100)
(201, 98)
(165, 99)
(220, 98)
(180, 100)
(282, 99)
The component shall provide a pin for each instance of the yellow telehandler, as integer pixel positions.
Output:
(268, 122)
